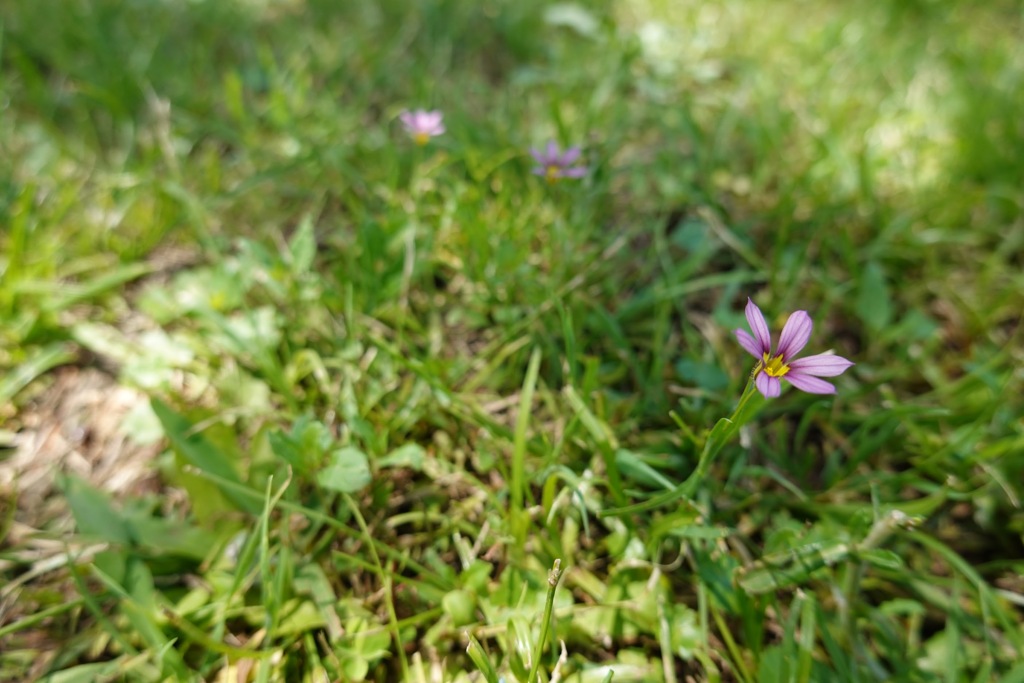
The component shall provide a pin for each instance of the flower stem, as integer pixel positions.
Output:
(553, 576)
(722, 433)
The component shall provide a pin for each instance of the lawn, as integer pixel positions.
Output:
(298, 384)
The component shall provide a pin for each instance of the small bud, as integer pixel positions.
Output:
(555, 574)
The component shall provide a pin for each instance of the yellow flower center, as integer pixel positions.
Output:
(421, 138)
(773, 367)
(552, 174)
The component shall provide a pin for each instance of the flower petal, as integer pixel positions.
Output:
(768, 385)
(407, 118)
(570, 156)
(539, 170)
(812, 385)
(575, 172)
(748, 343)
(821, 365)
(547, 156)
(758, 326)
(431, 119)
(795, 334)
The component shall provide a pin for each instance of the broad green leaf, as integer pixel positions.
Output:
(348, 471)
(410, 455)
(199, 452)
(285, 448)
(93, 512)
(173, 537)
(460, 605)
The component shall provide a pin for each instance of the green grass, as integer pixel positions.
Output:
(392, 387)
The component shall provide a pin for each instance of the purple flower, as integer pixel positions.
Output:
(422, 125)
(802, 373)
(554, 164)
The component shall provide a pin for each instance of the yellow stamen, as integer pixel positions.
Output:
(421, 138)
(551, 174)
(773, 367)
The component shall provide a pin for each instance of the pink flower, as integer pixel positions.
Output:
(554, 164)
(802, 373)
(422, 125)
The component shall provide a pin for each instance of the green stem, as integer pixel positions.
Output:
(409, 258)
(386, 582)
(553, 576)
(517, 488)
(723, 432)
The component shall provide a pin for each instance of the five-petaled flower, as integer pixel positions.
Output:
(803, 373)
(422, 125)
(554, 164)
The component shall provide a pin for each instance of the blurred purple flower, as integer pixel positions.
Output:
(422, 125)
(554, 164)
(802, 373)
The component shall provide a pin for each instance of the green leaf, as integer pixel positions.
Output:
(348, 471)
(705, 375)
(105, 281)
(36, 364)
(882, 558)
(411, 455)
(479, 657)
(285, 448)
(310, 580)
(173, 537)
(874, 302)
(460, 605)
(719, 436)
(519, 649)
(199, 452)
(94, 514)
(300, 616)
(632, 467)
(304, 446)
(86, 673)
(572, 16)
(1015, 675)
(791, 568)
(303, 246)
(774, 667)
